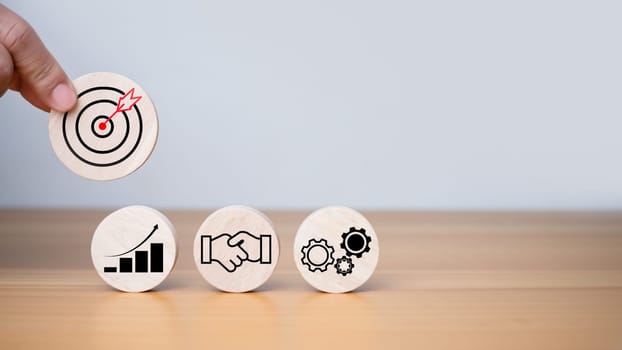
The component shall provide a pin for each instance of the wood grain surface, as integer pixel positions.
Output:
(444, 281)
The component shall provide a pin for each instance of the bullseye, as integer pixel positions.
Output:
(98, 131)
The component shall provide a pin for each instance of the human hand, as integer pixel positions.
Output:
(28, 67)
(258, 248)
(218, 249)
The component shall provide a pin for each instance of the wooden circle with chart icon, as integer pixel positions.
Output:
(336, 249)
(110, 132)
(236, 249)
(134, 249)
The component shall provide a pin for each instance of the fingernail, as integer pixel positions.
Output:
(63, 98)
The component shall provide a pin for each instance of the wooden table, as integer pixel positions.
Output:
(444, 281)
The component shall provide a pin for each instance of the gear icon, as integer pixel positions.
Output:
(317, 255)
(344, 265)
(355, 242)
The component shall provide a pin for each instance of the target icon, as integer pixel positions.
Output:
(111, 131)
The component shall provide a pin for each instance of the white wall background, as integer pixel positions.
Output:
(373, 104)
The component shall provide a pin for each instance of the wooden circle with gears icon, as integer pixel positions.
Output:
(111, 131)
(134, 249)
(236, 249)
(336, 249)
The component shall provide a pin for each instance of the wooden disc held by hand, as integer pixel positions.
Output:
(110, 132)
(236, 249)
(336, 249)
(134, 249)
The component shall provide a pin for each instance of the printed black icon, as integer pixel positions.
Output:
(317, 254)
(344, 265)
(140, 262)
(231, 251)
(116, 139)
(355, 242)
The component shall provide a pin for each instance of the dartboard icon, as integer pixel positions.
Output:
(110, 132)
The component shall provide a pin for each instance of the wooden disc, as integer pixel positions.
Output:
(110, 132)
(134, 248)
(336, 249)
(236, 249)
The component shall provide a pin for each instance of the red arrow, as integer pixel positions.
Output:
(126, 102)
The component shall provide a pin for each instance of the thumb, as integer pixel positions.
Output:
(37, 75)
(237, 239)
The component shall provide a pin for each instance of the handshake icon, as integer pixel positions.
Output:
(231, 251)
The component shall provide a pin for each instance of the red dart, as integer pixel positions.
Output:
(126, 102)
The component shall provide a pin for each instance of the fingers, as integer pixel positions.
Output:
(236, 261)
(6, 69)
(237, 239)
(28, 94)
(242, 254)
(40, 78)
(228, 266)
(239, 257)
(247, 243)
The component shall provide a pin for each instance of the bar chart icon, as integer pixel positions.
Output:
(143, 261)
(134, 249)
